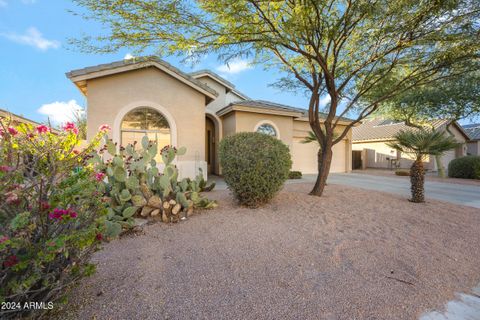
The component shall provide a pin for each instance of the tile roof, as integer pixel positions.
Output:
(141, 62)
(472, 130)
(384, 129)
(220, 79)
(268, 105)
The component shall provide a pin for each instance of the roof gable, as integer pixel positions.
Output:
(81, 76)
(381, 129)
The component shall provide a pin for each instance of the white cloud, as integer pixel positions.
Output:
(128, 56)
(235, 66)
(324, 101)
(32, 37)
(29, 1)
(60, 112)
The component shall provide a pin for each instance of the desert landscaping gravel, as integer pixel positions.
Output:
(352, 254)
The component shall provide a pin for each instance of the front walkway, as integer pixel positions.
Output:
(465, 194)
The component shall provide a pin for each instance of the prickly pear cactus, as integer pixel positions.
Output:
(134, 185)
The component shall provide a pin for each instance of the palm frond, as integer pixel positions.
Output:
(423, 142)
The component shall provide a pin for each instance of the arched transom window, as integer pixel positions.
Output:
(145, 121)
(267, 129)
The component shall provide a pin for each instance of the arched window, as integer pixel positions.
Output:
(267, 129)
(145, 121)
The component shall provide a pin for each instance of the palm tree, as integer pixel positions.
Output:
(421, 143)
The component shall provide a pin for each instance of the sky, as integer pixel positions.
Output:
(35, 55)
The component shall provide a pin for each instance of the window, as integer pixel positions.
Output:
(267, 129)
(145, 121)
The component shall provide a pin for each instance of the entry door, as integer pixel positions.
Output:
(356, 160)
(210, 145)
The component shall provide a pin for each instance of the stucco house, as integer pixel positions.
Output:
(370, 149)
(149, 96)
(473, 143)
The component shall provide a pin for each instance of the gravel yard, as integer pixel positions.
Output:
(352, 254)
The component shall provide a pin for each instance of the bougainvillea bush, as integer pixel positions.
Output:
(51, 216)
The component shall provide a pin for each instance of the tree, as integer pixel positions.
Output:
(343, 48)
(421, 143)
(453, 99)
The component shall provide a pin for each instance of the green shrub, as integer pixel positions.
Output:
(465, 167)
(51, 215)
(295, 175)
(403, 173)
(134, 186)
(255, 166)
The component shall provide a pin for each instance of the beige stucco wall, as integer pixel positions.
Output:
(109, 98)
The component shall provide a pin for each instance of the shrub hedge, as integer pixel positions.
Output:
(465, 167)
(255, 166)
(295, 175)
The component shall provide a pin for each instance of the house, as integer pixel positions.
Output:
(149, 96)
(370, 149)
(473, 143)
(16, 119)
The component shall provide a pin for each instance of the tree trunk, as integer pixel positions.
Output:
(417, 180)
(324, 158)
(440, 168)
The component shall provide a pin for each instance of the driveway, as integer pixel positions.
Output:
(464, 194)
(468, 195)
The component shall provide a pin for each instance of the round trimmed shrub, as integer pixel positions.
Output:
(255, 166)
(465, 167)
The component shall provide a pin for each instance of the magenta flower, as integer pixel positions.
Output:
(6, 169)
(59, 214)
(10, 261)
(43, 129)
(104, 128)
(3, 239)
(99, 176)
(70, 127)
(12, 131)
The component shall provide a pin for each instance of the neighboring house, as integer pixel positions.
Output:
(473, 143)
(370, 149)
(149, 96)
(16, 119)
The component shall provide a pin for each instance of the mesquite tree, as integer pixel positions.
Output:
(343, 48)
(421, 143)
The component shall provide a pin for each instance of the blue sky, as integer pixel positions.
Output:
(35, 55)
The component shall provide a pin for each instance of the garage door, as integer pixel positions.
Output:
(304, 157)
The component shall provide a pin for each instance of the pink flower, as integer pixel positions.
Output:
(30, 136)
(43, 129)
(3, 239)
(44, 205)
(104, 128)
(99, 176)
(12, 131)
(70, 127)
(59, 214)
(10, 261)
(99, 237)
(6, 169)
(76, 152)
(2, 132)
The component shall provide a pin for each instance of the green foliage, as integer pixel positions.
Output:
(422, 142)
(465, 167)
(295, 175)
(51, 215)
(255, 166)
(134, 186)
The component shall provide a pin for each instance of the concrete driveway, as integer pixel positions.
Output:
(464, 194)
(468, 195)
